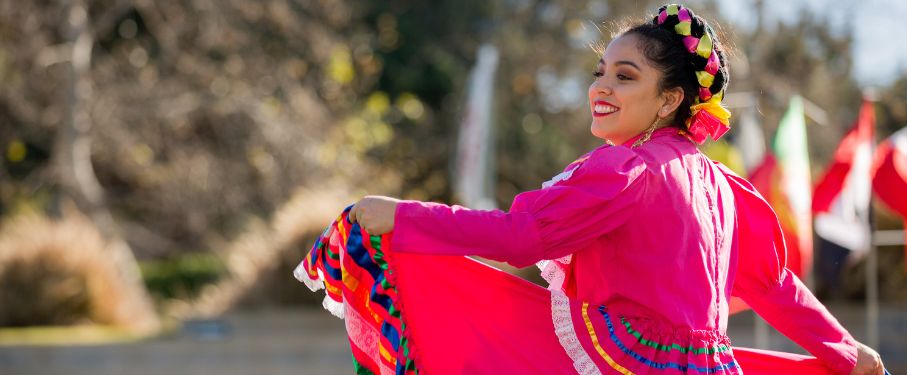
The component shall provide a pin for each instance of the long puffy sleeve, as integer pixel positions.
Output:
(549, 223)
(773, 291)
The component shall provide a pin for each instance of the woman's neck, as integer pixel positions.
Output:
(643, 137)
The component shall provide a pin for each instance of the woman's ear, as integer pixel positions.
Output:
(672, 99)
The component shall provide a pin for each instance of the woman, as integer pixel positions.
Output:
(646, 239)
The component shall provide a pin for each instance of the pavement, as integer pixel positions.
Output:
(256, 342)
(307, 340)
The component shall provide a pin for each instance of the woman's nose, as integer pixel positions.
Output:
(602, 88)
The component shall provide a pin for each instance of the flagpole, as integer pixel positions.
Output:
(872, 264)
(872, 287)
(761, 331)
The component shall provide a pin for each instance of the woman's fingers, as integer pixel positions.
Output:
(352, 216)
(357, 212)
(868, 361)
(374, 214)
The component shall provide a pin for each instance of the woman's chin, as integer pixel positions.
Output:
(602, 134)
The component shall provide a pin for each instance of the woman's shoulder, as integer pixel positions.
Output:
(664, 146)
(669, 149)
(599, 162)
(614, 160)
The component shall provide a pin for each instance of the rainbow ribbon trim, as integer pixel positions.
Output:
(361, 288)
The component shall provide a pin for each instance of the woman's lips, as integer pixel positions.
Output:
(602, 108)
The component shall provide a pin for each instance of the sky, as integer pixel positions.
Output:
(880, 45)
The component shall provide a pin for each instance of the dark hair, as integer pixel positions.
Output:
(666, 51)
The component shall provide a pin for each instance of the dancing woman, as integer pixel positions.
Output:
(644, 240)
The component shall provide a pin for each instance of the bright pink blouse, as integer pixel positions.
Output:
(659, 229)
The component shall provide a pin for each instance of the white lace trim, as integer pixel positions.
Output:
(563, 328)
(553, 271)
(302, 275)
(333, 307)
(560, 177)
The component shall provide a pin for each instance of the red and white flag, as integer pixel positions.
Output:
(890, 168)
(841, 198)
(890, 175)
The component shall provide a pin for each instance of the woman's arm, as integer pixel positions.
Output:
(542, 224)
(793, 310)
(773, 291)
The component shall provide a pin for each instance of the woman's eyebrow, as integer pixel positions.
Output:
(621, 62)
(625, 62)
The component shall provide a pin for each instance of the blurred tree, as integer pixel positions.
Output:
(72, 168)
(205, 116)
(196, 116)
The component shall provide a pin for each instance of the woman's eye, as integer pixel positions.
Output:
(597, 74)
(623, 77)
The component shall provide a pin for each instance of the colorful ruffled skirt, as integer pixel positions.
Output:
(408, 313)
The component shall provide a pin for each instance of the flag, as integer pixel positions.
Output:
(842, 196)
(473, 174)
(783, 178)
(890, 176)
(890, 172)
(749, 139)
(841, 201)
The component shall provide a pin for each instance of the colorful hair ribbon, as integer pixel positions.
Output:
(709, 119)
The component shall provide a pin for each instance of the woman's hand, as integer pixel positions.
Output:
(375, 214)
(868, 362)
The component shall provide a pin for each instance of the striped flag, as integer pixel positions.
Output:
(842, 196)
(890, 175)
(890, 170)
(783, 179)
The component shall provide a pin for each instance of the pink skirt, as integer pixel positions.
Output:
(408, 313)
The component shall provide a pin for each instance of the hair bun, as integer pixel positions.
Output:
(707, 116)
(700, 41)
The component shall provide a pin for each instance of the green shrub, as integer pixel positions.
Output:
(181, 277)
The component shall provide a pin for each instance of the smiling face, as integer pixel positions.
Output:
(625, 97)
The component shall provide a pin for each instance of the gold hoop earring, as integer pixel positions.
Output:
(655, 125)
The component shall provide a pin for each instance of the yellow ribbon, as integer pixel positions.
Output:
(705, 78)
(682, 28)
(704, 48)
(713, 106)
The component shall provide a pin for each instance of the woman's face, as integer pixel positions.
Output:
(624, 98)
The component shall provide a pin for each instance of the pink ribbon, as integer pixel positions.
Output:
(704, 124)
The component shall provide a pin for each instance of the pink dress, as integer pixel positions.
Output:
(644, 249)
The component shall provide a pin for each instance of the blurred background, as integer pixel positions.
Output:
(166, 164)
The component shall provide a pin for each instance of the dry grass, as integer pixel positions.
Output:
(263, 247)
(56, 272)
